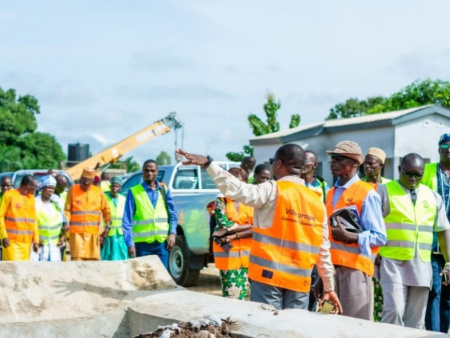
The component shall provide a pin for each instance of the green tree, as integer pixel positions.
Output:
(259, 127)
(163, 158)
(22, 147)
(418, 93)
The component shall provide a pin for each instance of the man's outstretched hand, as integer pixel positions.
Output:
(192, 158)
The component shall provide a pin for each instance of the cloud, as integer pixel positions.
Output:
(159, 61)
(182, 92)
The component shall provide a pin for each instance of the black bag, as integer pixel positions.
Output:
(348, 218)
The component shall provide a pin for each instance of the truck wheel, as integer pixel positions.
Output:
(179, 264)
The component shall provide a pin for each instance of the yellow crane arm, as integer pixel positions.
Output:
(113, 153)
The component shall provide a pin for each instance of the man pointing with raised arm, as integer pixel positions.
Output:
(290, 231)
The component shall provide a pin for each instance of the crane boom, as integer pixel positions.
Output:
(113, 153)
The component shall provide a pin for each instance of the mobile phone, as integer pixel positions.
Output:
(327, 307)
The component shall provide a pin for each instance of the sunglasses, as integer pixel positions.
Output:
(411, 175)
(444, 146)
(339, 158)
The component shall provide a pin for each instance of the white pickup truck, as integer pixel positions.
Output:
(192, 189)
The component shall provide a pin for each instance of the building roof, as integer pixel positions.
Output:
(339, 125)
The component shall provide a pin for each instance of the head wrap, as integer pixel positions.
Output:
(117, 179)
(378, 153)
(88, 173)
(444, 138)
(47, 181)
(349, 149)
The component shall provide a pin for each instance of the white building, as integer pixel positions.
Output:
(415, 130)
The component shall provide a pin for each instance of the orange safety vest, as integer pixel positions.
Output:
(284, 254)
(20, 217)
(349, 254)
(85, 215)
(239, 254)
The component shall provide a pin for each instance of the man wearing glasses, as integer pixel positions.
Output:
(85, 206)
(352, 250)
(290, 232)
(436, 177)
(413, 214)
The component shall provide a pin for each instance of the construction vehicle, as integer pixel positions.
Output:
(113, 153)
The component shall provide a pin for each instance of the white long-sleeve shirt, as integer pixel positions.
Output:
(263, 197)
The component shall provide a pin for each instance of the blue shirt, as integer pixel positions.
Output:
(130, 209)
(374, 234)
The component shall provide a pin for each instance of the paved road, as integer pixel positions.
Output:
(209, 281)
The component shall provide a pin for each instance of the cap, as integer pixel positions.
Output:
(88, 173)
(444, 138)
(378, 153)
(117, 179)
(350, 149)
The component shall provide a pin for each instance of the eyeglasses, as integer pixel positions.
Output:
(444, 146)
(271, 160)
(411, 175)
(339, 158)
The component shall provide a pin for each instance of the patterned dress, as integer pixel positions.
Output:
(234, 282)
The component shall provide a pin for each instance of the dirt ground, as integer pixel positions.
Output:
(209, 281)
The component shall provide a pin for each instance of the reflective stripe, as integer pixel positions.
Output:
(258, 237)
(425, 246)
(51, 237)
(346, 248)
(425, 228)
(19, 219)
(400, 226)
(50, 227)
(236, 254)
(401, 244)
(85, 223)
(280, 267)
(116, 219)
(153, 233)
(86, 212)
(150, 221)
(19, 232)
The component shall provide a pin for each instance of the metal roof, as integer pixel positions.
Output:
(366, 122)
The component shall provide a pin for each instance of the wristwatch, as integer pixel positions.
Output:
(210, 159)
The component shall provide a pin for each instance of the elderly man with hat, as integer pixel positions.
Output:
(373, 163)
(353, 250)
(114, 247)
(85, 206)
(50, 216)
(437, 177)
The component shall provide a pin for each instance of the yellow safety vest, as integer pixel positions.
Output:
(430, 176)
(149, 224)
(116, 214)
(50, 223)
(409, 226)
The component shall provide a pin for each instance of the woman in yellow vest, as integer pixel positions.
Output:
(114, 247)
(232, 244)
(50, 218)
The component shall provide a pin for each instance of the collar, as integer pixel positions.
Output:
(348, 184)
(147, 187)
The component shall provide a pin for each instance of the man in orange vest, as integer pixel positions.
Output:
(18, 221)
(353, 253)
(290, 230)
(85, 206)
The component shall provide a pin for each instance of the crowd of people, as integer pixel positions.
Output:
(373, 248)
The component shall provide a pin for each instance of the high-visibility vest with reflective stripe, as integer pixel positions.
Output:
(50, 223)
(149, 224)
(284, 254)
(85, 218)
(430, 176)
(18, 222)
(63, 197)
(409, 226)
(238, 256)
(116, 214)
(349, 254)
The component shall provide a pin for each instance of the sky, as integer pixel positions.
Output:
(103, 70)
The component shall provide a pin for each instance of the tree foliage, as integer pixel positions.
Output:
(418, 93)
(163, 158)
(259, 127)
(21, 146)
